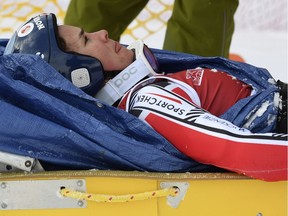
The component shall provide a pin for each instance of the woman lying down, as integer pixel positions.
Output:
(212, 112)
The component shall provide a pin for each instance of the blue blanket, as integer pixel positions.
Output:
(45, 116)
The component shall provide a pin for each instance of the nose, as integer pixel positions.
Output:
(102, 35)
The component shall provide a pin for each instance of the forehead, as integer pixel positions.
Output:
(70, 34)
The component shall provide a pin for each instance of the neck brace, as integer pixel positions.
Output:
(115, 88)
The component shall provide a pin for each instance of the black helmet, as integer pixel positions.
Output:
(39, 36)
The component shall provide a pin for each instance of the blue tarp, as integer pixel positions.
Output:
(44, 116)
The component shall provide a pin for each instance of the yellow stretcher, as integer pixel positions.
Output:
(128, 193)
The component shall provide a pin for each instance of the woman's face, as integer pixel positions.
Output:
(110, 53)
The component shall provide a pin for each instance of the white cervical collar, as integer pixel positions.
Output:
(115, 88)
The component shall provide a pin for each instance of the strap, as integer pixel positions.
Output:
(116, 87)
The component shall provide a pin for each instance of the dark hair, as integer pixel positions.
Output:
(61, 42)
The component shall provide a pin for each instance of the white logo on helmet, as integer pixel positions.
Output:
(25, 30)
(40, 54)
(38, 23)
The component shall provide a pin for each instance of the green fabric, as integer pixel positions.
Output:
(112, 15)
(201, 27)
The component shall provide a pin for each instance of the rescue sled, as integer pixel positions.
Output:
(86, 179)
(139, 193)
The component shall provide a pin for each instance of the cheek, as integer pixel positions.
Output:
(109, 62)
(126, 58)
(112, 61)
(113, 64)
(99, 54)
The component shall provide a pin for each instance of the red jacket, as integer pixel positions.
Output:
(175, 109)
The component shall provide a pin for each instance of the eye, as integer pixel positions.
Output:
(85, 39)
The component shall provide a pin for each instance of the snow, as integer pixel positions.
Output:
(265, 49)
(260, 111)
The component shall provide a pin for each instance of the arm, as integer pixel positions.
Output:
(209, 139)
